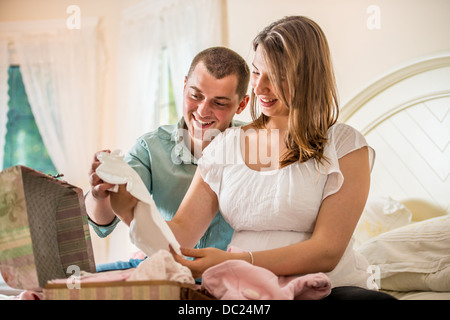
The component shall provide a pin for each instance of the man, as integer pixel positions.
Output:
(215, 90)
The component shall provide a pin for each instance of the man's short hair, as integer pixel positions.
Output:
(222, 62)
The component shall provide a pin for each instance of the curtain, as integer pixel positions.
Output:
(189, 27)
(183, 27)
(4, 64)
(61, 70)
(137, 74)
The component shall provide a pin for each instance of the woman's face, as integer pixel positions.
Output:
(267, 94)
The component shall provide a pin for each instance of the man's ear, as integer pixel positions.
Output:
(243, 104)
(185, 80)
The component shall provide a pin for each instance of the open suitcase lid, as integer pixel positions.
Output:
(44, 230)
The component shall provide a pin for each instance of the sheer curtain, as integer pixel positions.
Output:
(4, 64)
(137, 74)
(184, 27)
(61, 70)
(189, 27)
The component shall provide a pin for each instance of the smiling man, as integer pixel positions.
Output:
(215, 90)
(165, 159)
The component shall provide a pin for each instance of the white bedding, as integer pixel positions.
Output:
(405, 117)
(419, 295)
(411, 260)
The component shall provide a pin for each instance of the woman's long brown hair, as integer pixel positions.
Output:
(297, 56)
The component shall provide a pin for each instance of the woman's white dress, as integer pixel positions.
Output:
(276, 208)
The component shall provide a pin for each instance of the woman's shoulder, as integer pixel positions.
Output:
(345, 139)
(343, 133)
(340, 128)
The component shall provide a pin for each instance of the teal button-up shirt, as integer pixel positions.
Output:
(166, 166)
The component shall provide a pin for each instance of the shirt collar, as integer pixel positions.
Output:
(181, 151)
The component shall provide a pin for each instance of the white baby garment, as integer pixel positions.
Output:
(148, 229)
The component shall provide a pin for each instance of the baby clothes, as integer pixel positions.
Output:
(272, 209)
(148, 230)
(162, 266)
(240, 280)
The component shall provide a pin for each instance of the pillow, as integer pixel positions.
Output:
(381, 214)
(413, 257)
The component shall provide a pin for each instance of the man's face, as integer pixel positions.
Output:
(210, 103)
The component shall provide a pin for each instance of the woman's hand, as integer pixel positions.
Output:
(203, 259)
(123, 203)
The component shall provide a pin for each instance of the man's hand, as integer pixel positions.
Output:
(99, 188)
(97, 200)
(103, 204)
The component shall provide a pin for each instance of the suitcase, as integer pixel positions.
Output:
(44, 231)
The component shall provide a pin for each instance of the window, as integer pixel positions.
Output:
(23, 142)
(167, 106)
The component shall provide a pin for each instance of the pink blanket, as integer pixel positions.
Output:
(240, 280)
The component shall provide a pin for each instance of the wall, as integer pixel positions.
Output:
(409, 29)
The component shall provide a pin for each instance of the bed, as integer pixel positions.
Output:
(405, 228)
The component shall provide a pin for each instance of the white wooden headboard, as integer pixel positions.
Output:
(405, 117)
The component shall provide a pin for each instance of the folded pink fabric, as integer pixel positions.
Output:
(240, 280)
(107, 276)
(24, 295)
(29, 295)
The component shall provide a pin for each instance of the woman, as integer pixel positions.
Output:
(297, 216)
